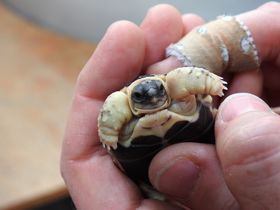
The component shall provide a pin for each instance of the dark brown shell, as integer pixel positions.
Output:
(135, 159)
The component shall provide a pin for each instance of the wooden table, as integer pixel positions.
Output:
(38, 71)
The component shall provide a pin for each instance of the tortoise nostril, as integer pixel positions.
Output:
(153, 92)
(138, 97)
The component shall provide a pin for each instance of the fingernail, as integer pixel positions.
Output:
(178, 178)
(241, 103)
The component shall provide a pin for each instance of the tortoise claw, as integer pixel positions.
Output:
(110, 146)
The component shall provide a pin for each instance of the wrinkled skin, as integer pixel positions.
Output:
(240, 171)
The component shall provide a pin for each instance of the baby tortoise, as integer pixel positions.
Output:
(155, 111)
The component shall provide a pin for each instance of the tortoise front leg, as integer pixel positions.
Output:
(186, 81)
(113, 115)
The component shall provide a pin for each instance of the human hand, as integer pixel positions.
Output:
(199, 176)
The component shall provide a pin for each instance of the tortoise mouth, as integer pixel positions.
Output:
(149, 95)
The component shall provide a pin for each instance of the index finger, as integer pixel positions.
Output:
(117, 59)
(264, 29)
(266, 33)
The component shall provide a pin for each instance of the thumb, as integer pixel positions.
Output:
(248, 146)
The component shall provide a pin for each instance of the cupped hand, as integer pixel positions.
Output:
(240, 171)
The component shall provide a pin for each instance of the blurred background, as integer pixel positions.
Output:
(88, 19)
(43, 46)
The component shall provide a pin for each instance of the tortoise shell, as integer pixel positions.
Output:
(159, 121)
(156, 111)
(136, 158)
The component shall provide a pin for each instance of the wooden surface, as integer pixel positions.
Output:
(38, 71)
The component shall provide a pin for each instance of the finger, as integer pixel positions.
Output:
(150, 204)
(271, 76)
(248, 81)
(97, 184)
(85, 164)
(117, 59)
(247, 136)
(161, 26)
(190, 173)
(266, 39)
(271, 87)
(189, 22)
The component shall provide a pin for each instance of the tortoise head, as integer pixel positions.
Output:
(147, 95)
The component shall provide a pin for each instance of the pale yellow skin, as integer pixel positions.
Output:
(182, 84)
(114, 114)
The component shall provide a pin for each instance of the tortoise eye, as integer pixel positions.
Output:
(137, 97)
(162, 90)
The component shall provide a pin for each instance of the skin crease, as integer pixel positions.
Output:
(240, 172)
